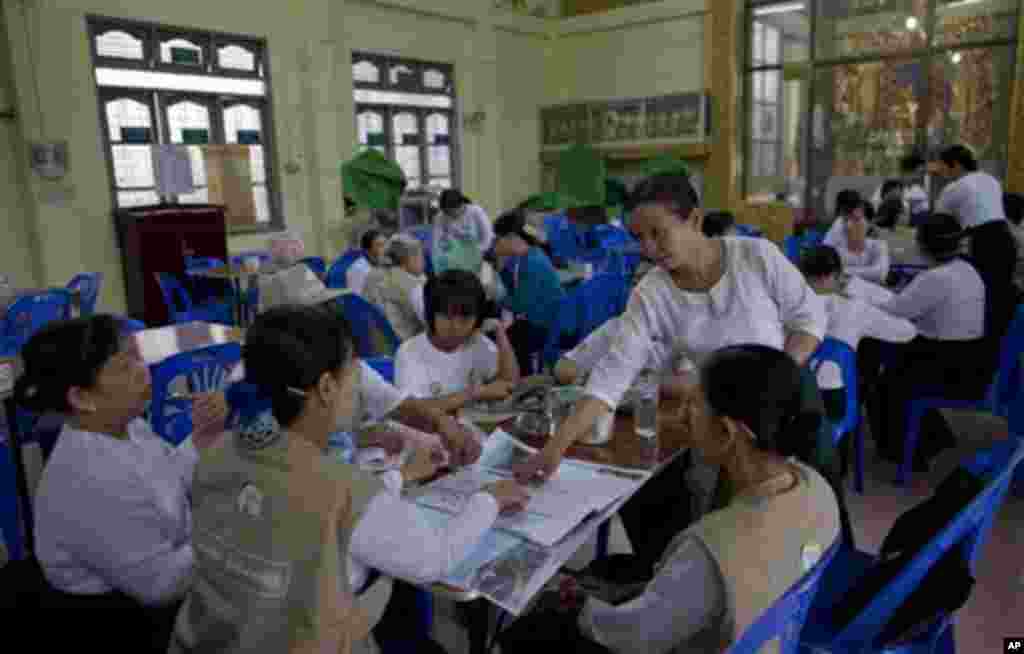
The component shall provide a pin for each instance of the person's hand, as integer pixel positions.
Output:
(386, 438)
(538, 468)
(462, 444)
(496, 390)
(511, 497)
(423, 464)
(209, 418)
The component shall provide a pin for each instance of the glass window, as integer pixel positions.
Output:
(964, 21)
(127, 113)
(181, 52)
(120, 44)
(859, 28)
(365, 71)
(236, 57)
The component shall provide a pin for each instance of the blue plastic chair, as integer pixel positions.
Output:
(182, 309)
(794, 246)
(1008, 378)
(784, 620)
(239, 259)
(197, 371)
(29, 314)
(245, 403)
(88, 287)
(584, 308)
(748, 231)
(202, 263)
(336, 276)
(131, 326)
(371, 330)
(970, 528)
(317, 265)
(841, 354)
(385, 366)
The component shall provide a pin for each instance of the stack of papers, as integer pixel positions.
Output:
(575, 492)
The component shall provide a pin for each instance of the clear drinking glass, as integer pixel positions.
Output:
(645, 409)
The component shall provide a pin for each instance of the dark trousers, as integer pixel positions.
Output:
(993, 251)
(528, 341)
(401, 629)
(548, 631)
(113, 619)
(925, 367)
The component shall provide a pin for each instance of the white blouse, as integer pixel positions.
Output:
(851, 320)
(761, 298)
(975, 199)
(355, 276)
(871, 264)
(861, 289)
(114, 515)
(946, 303)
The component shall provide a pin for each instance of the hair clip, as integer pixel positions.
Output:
(295, 391)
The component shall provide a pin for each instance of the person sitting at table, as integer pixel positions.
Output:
(453, 363)
(112, 517)
(719, 223)
(863, 257)
(849, 320)
(702, 295)
(848, 203)
(575, 365)
(720, 574)
(397, 290)
(960, 320)
(532, 287)
(462, 234)
(374, 247)
(378, 399)
(286, 535)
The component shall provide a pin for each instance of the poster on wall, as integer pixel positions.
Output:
(680, 116)
(229, 182)
(617, 121)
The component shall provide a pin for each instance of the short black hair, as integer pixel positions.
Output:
(959, 154)
(717, 223)
(889, 212)
(940, 236)
(454, 292)
(366, 242)
(847, 201)
(869, 211)
(514, 223)
(292, 347)
(1013, 205)
(911, 162)
(451, 199)
(673, 191)
(62, 355)
(820, 261)
(760, 387)
(889, 186)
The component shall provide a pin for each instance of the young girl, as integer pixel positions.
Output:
(453, 362)
(113, 522)
(285, 536)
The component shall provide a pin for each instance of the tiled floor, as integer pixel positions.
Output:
(996, 607)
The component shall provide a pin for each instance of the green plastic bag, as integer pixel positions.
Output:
(581, 177)
(373, 181)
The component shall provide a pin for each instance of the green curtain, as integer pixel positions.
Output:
(581, 177)
(373, 181)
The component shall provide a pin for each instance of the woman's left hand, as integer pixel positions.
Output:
(389, 440)
(462, 444)
(209, 418)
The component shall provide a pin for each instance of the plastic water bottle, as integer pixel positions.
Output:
(341, 445)
(645, 410)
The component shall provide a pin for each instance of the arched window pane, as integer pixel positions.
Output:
(120, 45)
(181, 51)
(406, 129)
(433, 79)
(398, 71)
(369, 123)
(241, 118)
(123, 113)
(235, 57)
(187, 115)
(437, 129)
(364, 71)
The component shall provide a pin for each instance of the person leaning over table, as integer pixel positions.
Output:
(286, 535)
(113, 524)
(377, 399)
(702, 295)
(720, 574)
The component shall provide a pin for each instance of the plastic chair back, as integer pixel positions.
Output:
(1008, 378)
(88, 287)
(371, 330)
(176, 298)
(202, 263)
(842, 355)
(784, 620)
(197, 371)
(970, 527)
(131, 326)
(317, 265)
(245, 404)
(28, 314)
(385, 366)
(749, 231)
(584, 308)
(181, 308)
(336, 276)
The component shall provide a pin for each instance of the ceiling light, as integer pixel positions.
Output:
(957, 57)
(784, 8)
(912, 23)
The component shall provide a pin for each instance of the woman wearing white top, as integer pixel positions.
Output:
(702, 295)
(862, 256)
(462, 234)
(113, 524)
(374, 246)
(953, 356)
(303, 359)
(975, 198)
(848, 203)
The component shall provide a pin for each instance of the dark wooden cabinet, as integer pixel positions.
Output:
(156, 239)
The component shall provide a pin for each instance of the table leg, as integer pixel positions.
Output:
(20, 477)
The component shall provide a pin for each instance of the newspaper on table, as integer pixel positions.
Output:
(575, 492)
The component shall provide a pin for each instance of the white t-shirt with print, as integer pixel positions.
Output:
(423, 371)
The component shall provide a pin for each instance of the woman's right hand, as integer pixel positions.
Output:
(495, 391)
(511, 497)
(424, 464)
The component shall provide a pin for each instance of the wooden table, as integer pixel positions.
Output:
(625, 450)
(153, 346)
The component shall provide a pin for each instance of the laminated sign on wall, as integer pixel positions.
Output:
(229, 182)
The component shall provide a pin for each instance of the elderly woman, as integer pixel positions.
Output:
(720, 574)
(397, 290)
(702, 295)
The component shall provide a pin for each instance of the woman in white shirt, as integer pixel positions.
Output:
(721, 573)
(374, 247)
(452, 363)
(863, 257)
(113, 524)
(703, 294)
(462, 234)
(953, 357)
(274, 512)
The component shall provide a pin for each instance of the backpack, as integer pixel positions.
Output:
(947, 585)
